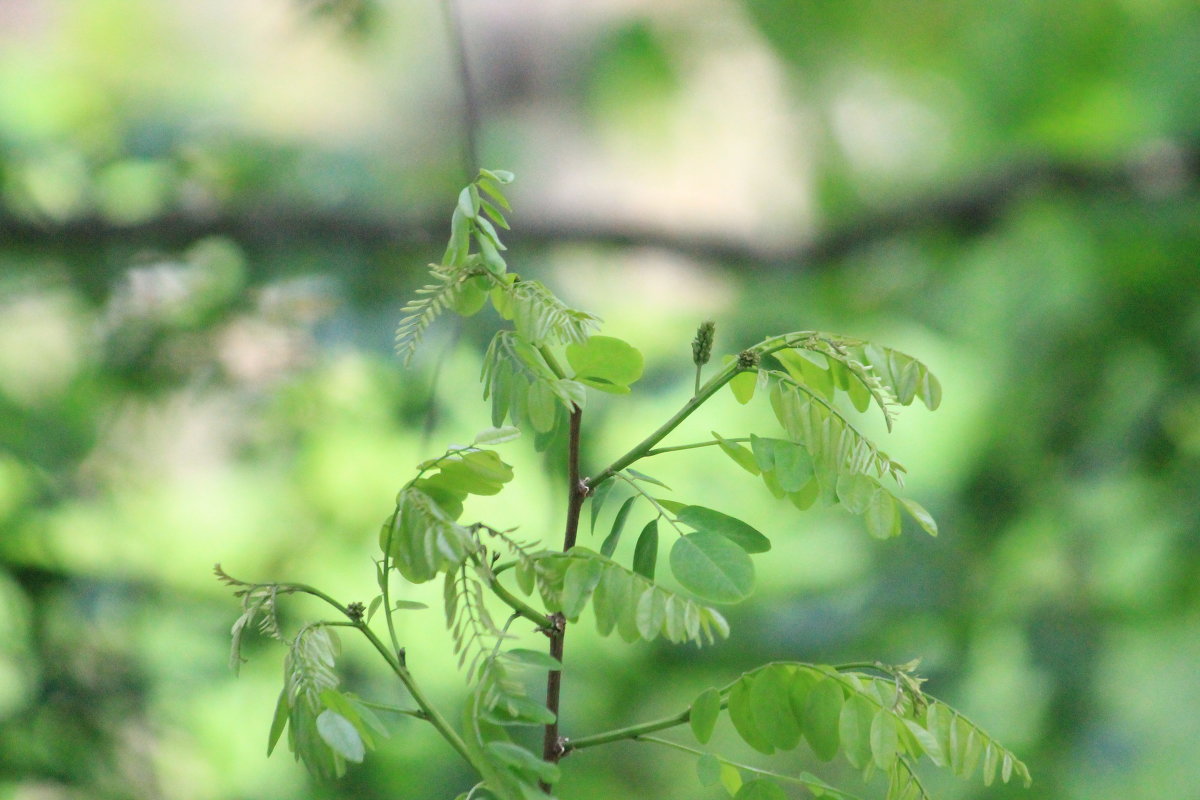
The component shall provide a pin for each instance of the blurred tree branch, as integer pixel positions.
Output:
(971, 206)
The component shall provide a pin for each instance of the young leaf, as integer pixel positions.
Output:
(705, 519)
(731, 779)
(742, 385)
(341, 736)
(772, 712)
(497, 435)
(708, 769)
(641, 476)
(742, 456)
(923, 517)
(651, 613)
(532, 658)
(793, 465)
(883, 515)
(598, 496)
(606, 363)
(578, 585)
(712, 567)
(279, 722)
(822, 718)
(854, 728)
(703, 715)
(884, 740)
(741, 714)
(614, 536)
(760, 789)
(645, 553)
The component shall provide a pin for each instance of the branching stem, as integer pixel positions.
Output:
(577, 492)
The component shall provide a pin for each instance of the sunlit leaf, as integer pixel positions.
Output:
(605, 363)
(279, 722)
(884, 739)
(741, 455)
(703, 714)
(741, 714)
(743, 535)
(712, 567)
(854, 729)
(341, 736)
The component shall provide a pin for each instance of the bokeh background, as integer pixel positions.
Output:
(211, 213)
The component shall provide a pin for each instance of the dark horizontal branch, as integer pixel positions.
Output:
(971, 206)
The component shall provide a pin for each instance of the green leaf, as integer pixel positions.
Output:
(741, 714)
(742, 385)
(610, 542)
(491, 256)
(708, 770)
(822, 718)
(712, 567)
(856, 491)
(674, 506)
(497, 435)
(408, 605)
(371, 609)
(341, 736)
(923, 517)
(487, 465)
(541, 405)
(518, 757)
(279, 722)
(641, 476)
(598, 496)
(532, 658)
(741, 455)
(578, 585)
(884, 739)
(498, 175)
(764, 452)
(928, 742)
(645, 552)
(705, 519)
(703, 715)
(466, 203)
(883, 515)
(760, 789)
(731, 778)
(651, 613)
(929, 389)
(793, 466)
(854, 729)
(772, 712)
(606, 363)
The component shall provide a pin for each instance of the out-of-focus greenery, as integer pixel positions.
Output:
(210, 214)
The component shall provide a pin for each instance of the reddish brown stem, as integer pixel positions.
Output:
(552, 746)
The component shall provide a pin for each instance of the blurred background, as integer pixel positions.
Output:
(211, 214)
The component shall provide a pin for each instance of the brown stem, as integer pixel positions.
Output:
(552, 746)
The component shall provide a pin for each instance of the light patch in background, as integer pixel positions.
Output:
(730, 158)
(886, 131)
(43, 345)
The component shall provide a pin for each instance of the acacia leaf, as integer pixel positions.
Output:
(645, 552)
(606, 363)
(341, 736)
(712, 567)
(703, 715)
(740, 533)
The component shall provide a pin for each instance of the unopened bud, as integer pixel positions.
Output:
(703, 343)
(748, 359)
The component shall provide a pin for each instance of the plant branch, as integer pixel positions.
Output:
(631, 731)
(807, 780)
(642, 448)
(657, 451)
(394, 660)
(577, 492)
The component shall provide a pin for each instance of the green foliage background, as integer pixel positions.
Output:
(211, 213)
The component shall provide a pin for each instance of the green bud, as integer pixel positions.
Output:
(703, 343)
(748, 359)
